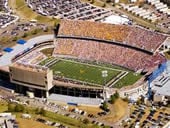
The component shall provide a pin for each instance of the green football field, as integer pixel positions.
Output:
(83, 72)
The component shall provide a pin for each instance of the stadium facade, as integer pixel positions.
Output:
(31, 79)
(85, 40)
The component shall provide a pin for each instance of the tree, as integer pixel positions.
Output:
(86, 121)
(139, 101)
(108, 1)
(105, 106)
(112, 99)
(116, 95)
(15, 38)
(24, 35)
(34, 32)
(37, 111)
(92, 2)
(11, 107)
(19, 108)
(104, 5)
(28, 102)
(42, 112)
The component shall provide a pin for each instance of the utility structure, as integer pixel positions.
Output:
(161, 68)
(104, 76)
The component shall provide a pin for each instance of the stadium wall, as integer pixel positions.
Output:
(31, 77)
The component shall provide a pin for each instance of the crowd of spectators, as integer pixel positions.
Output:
(129, 35)
(109, 53)
(32, 58)
(69, 9)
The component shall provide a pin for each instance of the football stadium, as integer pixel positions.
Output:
(84, 59)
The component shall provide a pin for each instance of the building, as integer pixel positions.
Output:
(32, 80)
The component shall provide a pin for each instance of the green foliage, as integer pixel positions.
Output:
(28, 102)
(86, 121)
(108, 1)
(129, 79)
(106, 127)
(11, 107)
(19, 108)
(65, 120)
(105, 106)
(15, 38)
(139, 101)
(24, 35)
(34, 32)
(42, 112)
(92, 2)
(15, 107)
(114, 97)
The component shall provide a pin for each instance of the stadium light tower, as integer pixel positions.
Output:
(104, 75)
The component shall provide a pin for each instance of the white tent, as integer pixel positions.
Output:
(115, 19)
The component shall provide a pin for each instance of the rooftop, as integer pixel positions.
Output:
(18, 49)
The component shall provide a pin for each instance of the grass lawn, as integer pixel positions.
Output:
(91, 74)
(29, 123)
(3, 106)
(54, 117)
(83, 72)
(42, 63)
(129, 79)
(88, 109)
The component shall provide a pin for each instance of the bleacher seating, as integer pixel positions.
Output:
(109, 53)
(130, 35)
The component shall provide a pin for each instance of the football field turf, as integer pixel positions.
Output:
(83, 72)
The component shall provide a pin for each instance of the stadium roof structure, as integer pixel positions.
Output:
(8, 49)
(162, 88)
(18, 49)
(21, 41)
(167, 42)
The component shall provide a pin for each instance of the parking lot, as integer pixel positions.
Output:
(146, 117)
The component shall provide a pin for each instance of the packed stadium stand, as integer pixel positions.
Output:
(123, 34)
(109, 53)
(68, 9)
